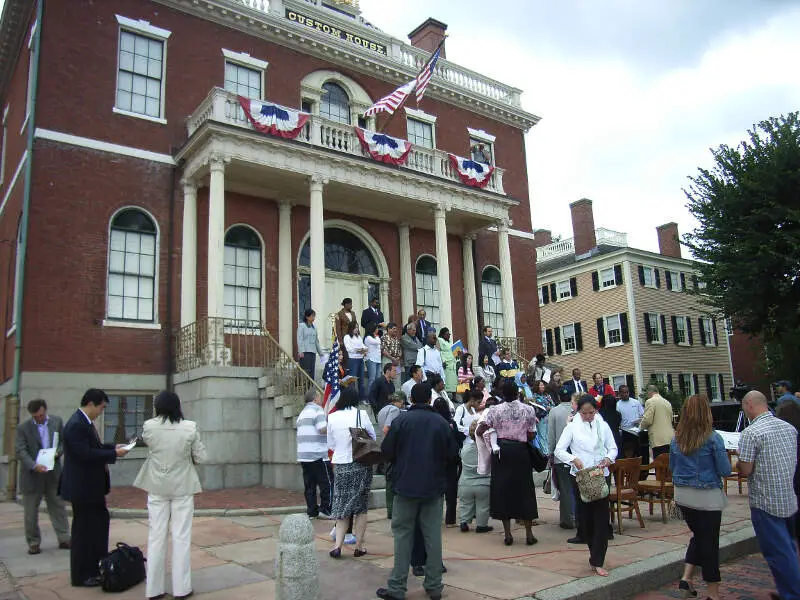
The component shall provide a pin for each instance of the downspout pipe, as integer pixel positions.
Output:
(26, 201)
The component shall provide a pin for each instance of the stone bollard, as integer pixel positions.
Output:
(296, 567)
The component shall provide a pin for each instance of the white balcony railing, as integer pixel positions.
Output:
(605, 237)
(223, 107)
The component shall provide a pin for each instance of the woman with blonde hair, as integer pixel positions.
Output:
(698, 462)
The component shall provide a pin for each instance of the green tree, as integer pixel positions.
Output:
(748, 241)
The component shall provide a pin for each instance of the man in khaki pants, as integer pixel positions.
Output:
(35, 481)
(657, 419)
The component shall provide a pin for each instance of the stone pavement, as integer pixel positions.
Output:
(232, 559)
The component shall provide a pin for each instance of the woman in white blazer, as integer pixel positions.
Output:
(170, 479)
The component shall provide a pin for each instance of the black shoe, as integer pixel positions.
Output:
(184, 596)
(92, 582)
(418, 571)
(464, 527)
(385, 595)
(484, 529)
(686, 589)
(359, 553)
(566, 526)
(435, 595)
(576, 540)
(335, 553)
(64, 545)
(531, 540)
(159, 597)
(508, 540)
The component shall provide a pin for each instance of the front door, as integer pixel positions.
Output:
(336, 290)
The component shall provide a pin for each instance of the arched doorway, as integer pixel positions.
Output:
(354, 268)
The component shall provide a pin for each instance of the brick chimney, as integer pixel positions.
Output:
(668, 241)
(542, 237)
(583, 226)
(428, 36)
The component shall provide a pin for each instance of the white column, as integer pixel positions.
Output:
(506, 281)
(216, 238)
(443, 268)
(317, 247)
(406, 279)
(189, 255)
(285, 317)
(470, 298)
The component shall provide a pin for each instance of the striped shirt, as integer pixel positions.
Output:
(312, 440)
(771, 445)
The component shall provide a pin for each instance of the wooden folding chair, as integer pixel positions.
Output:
(625, 494)
(659, 490)
(733, 456)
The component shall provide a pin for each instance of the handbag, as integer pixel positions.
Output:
(547, 488)
(592, 484)
(539, 460)
(365, 450)
(122, 569)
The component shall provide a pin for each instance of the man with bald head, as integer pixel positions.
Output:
(768, 457)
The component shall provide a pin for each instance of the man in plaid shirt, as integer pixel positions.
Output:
(768, 457)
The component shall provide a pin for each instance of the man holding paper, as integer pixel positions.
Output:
(38, 450)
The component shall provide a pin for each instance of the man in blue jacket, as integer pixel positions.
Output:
(419, 445)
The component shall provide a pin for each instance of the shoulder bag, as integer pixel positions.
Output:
(365, 450)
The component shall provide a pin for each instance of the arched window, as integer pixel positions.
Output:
(344, 253)
(132, 267)
(335, 103)
(428, 288)
(242, 277)
(492, 294)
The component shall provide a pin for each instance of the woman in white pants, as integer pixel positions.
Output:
(170, 480)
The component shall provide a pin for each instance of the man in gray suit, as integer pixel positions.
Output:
(35, 481)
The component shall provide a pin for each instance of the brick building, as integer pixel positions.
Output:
(625, 312)
(150, 236)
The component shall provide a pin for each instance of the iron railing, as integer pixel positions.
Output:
(517, 347)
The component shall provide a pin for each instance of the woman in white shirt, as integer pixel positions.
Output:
(372, 342)
(486, 371)
(351, 479)
(467, 412)
(588, 442)
(355, 352)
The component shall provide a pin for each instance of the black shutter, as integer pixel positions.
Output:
(714, 329)
(548, 334)
(694, 281)
(578, 337)
(595, 281)
(557, 334)
(545, 294)
(702, 329)
(626, 334)
(721, 387)
(663, 329)
(601, 333)
(683, 281)
(696, 382)
(709, 392)
(682, 385)
(641, 275)
(668, 275)
(648, 334)
(553, 292)
(689, 337)
(573, 286)
(618, 274)
(674, 329)
(629, 382)
(658, 278)
(669, 381)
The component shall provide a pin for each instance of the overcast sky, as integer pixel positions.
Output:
(632, 93)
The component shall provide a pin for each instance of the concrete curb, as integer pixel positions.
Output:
(646, 574)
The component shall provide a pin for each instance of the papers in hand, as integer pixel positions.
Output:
(730, 438)
(47, 458)
(130, 445)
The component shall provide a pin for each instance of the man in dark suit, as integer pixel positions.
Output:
(576, 385)
(487, 346)
(85, 483)
(372, 316)
(39, 432)
(423, 326)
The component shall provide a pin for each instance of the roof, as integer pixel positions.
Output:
(13, 27)
(543, 269)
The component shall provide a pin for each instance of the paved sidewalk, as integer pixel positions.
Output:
(129, 497)
(233, 557)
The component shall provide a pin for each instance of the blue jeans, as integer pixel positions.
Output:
(356, 367)
(373, 372)
(776, 540)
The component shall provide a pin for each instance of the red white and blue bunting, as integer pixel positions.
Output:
(472, 173)
(274, 119)
(384, 148)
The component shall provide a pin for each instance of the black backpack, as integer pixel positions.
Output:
(122, 569)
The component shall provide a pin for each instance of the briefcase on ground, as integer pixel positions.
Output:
(122, 569)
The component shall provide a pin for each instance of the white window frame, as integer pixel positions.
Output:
(701, 285)
(611, 379)
(29, 92)
(560, 286)
(678, 321)
(143, 28)
(544, 340)
(4, 144)
(728, 327)
(421, 115)
(675, 278)
(481, 136)
(243, 59)
(432, 317)
(541, 295)
(410, 120)
(262, 295)
(17, 275)
(661, 377)
(688, 380)
(574, 349)
(652, 275)
(606, 318)
(602, 281)
(708, 330)
(495, 320)
(655, 318)
(116, 322)
(716, 392)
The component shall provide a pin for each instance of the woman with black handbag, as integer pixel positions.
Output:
(351, 479)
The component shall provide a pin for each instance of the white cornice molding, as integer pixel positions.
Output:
(245, 59)
(143, 27)
(84, 142)
(602, 261)
(480, 134)
(421, 115)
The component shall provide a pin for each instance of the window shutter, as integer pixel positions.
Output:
(694, 281)
(549, 339)
(629, 381)
(709, 391)
(714, 329)
(682, 385)
(721, 387)
(702, 331)
(578, 337)
(595, 281)
(683, 281)
(696, 382)
(601, 333)
(553, 292)
(668, 275)
(618, 274)
(545, 294)
(658, 278)
(669, 381)
(647, 333)
(663, 329)
(674, 328)
(626, 334)
(557, 334)
(573, 286)
(689, 331)
(641, 275)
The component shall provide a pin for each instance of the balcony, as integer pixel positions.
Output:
(603, 237)
(223, 107)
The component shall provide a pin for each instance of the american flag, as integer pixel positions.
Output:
(392, 101)
(331, 378)
(424, 77)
